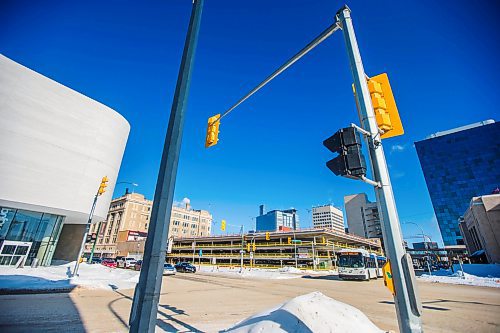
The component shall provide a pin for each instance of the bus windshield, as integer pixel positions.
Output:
(352, 261)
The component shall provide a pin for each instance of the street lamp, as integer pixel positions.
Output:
(425, 244)
(131, 183)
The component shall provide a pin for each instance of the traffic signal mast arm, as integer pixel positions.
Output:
(215, 120)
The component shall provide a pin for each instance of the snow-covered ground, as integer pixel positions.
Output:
(282, 273)
(446, 276)
(58, 277)
(312, 312)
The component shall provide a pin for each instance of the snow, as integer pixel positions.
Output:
(312, 312)
(57, 277)
(459, 277)
(260, 273)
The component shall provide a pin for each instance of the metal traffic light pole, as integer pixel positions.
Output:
(407, 305)
(87, 228)
(147, 291)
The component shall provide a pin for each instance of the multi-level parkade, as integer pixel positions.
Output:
(311, 249)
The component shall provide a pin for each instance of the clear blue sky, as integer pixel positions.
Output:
(442, 59)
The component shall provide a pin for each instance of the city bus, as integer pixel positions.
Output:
(357, 264)
(381, 260)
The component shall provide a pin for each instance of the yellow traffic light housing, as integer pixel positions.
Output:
(289, 240)
(387, 271)
(103, 185)
(212, 131)
(248, 247)
(384, 106)
(223, 225)
(268, 235)
(254, 247)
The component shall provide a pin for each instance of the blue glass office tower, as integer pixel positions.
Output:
(459, 164)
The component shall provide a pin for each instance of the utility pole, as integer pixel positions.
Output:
(147, 291)
(408, 307)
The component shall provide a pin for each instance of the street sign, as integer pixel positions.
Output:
(251, 255)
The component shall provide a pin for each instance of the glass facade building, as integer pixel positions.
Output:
(276, 220)
(40, 229)
(459, 164)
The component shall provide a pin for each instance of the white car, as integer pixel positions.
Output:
(126, 262)
(169, 269)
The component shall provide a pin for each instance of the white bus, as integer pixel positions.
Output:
(381, 260)
(357, 264)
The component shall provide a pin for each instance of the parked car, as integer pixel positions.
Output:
(185, 267)
(96, 260)
(109, 263)
(169, 269)
(127, 262)
(138, 265)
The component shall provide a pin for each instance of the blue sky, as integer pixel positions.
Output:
(441, 57)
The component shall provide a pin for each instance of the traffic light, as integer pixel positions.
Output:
(289, 240)
(254, 247)
(268, 235)
(248, 247)
(102, 187)
(223, 225)
(350, 162)
(384, 106)
(212, 131)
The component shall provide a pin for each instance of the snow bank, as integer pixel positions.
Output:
(58, 277)
(308, 313)
(248, 272)
(260, 273)
(445, 276)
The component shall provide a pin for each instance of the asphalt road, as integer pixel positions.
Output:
(196, 302)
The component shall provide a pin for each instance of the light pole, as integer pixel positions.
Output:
(425, 244)
(147, 292)
(131, 183)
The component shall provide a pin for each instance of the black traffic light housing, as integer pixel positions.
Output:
(350, 162)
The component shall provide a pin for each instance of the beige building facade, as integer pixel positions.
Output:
(480, 228)
(328, 216)
(130, 214)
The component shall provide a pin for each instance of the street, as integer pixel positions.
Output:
(201, 302)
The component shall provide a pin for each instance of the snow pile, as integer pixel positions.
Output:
(259, 273)
(312, 312)
(446, 276)
(59, 277)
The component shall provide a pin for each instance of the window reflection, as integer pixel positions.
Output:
(41, 229)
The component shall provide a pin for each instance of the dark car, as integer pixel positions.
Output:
(138, 265)
(96, 260)
(185, 267)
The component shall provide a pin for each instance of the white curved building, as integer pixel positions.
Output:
(55, 146)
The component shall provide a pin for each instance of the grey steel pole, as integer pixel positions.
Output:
(147, 292)
(407, 304)
(87, 228)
